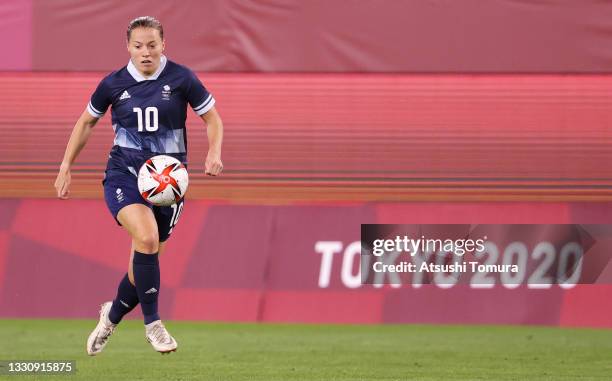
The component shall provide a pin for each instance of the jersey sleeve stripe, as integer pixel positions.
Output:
(208, 99)
(93, 111)
(207, 106)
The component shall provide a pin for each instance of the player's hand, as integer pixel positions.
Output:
(213, 165)
(62, 183)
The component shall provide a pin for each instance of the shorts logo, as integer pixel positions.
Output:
(166, 93)
(120, 196)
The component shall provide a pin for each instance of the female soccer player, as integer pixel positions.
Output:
(149, 99)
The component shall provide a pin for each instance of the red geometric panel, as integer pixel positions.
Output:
(4, 242)
(217, 304)
(590, 212)
(183, 243)
(231, 248)
(355, 307)
(463, 305)
(8, 208)
(46, 282)
(296, 255)
(587, 306)
(259, 263)
(82, 228)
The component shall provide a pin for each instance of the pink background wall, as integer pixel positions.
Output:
(259, 263)
(318, 35)
(368, 107)
(347, 136)
(16, 35)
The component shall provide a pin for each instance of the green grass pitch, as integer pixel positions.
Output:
(209, 351)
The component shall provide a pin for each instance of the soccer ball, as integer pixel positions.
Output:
(162, 180)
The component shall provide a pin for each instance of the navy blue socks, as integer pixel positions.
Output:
(146, 277)
(126, 300)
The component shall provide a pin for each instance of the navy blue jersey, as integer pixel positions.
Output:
(149, 114)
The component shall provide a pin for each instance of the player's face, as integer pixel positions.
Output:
(145, 47)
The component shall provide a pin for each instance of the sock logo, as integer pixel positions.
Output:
(152, 290)
(124, 303)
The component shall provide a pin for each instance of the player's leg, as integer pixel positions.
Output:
(130, 210)
(120, 192)
(130, 274)
(166, 218)
(139, 221)
(127, 297)
(162, 248)
(164, 230)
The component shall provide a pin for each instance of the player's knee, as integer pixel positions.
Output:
(147, 242)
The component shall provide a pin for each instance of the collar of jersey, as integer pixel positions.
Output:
(139, 77)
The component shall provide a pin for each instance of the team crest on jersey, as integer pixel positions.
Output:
(166, 91)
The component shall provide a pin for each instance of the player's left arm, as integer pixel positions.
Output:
(214, 129)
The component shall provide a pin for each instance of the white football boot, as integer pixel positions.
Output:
(159, 337)
(99, 336)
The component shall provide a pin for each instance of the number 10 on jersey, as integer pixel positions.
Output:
(150, 119)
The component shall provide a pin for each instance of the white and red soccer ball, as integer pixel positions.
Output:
(162, 180)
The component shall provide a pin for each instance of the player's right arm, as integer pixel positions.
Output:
(78, 139)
